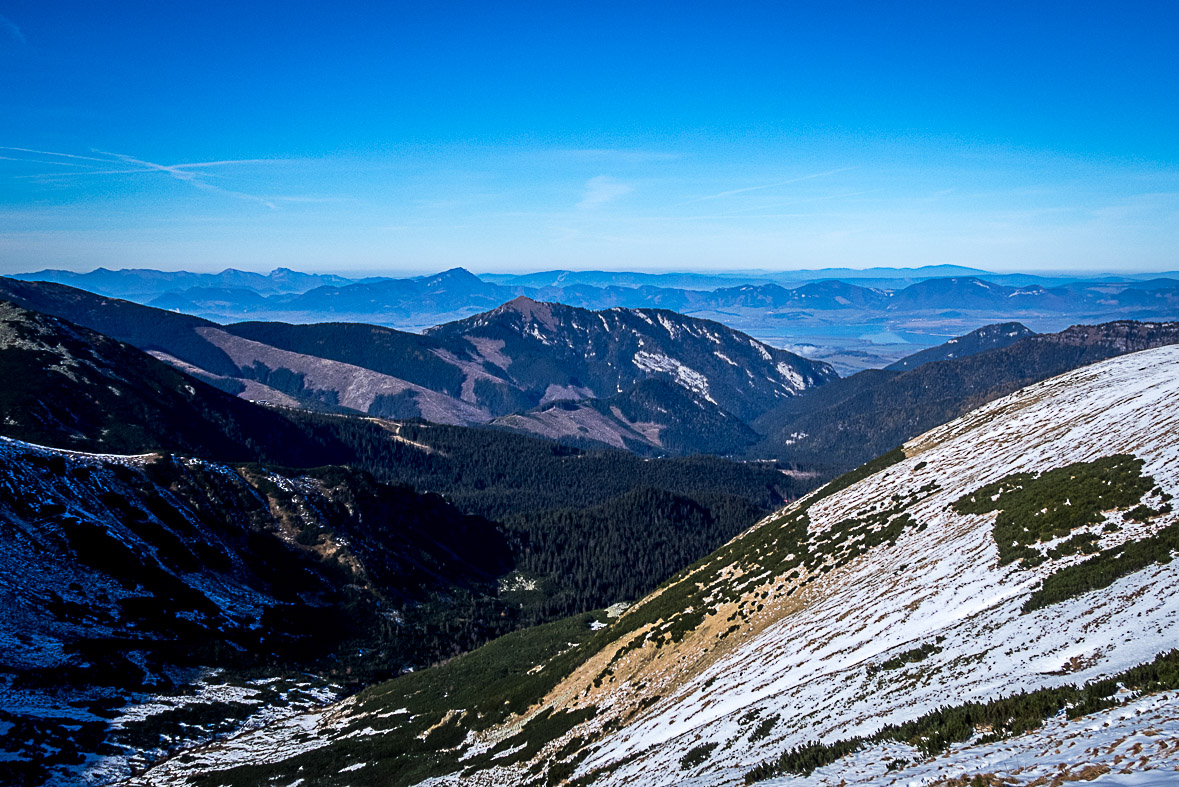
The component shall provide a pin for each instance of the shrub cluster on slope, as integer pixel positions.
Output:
(1038, 507)
(935, 732)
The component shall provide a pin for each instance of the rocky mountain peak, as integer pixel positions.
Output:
(530, 310)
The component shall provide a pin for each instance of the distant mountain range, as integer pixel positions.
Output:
(427, 300)
(710, 281)
(143, 282)
(137, 283)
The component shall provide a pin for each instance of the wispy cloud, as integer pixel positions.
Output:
(315, 200)
(191, 173)
(747, 189)
(11, 31)
(602, 189)
(621, 155)
(182, 171)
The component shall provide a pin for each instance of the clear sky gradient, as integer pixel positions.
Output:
(411, 137)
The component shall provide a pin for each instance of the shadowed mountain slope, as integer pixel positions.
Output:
(147, 328)
(988, 337)
(878, 416)
(73, 388)
(125, 579)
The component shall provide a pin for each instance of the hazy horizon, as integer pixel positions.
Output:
(511, 271)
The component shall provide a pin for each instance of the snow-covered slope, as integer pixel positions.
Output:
(873, 602)
(815, 663)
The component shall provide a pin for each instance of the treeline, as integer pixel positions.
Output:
(498, 474)
(624, 548)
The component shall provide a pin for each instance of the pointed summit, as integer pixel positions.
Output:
(537, 311)
(454, 274)
(520, 303)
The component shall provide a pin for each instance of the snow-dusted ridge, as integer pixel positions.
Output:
(10, 447)
(808, 649)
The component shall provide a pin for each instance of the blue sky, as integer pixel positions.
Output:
(397, 137)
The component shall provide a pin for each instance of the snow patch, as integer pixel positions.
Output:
(792, 376)
(685, 376)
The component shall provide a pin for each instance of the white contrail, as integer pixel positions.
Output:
(181, 172)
